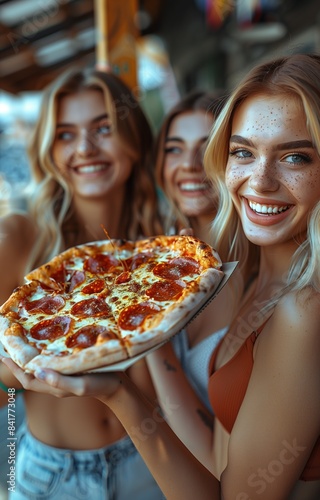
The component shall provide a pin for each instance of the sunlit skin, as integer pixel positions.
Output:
(273, 167)
(183, 171)
(86, 148)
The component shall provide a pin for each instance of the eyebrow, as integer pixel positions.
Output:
(179, 139)
(279, 147)
(96, 119)
(175, 139)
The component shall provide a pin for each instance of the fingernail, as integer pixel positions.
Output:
(40, 374)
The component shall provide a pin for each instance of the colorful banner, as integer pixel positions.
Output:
(217, 11)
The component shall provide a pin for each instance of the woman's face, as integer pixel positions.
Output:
(86, 150)
(273, 171)
(184, 177)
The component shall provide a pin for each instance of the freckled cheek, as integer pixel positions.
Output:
(304, 186)
(234, 178)
(60, 156)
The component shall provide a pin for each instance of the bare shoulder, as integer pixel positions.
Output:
(299, 312)
(292, 333)
(17, 222)
(17, 236)
(17, 227)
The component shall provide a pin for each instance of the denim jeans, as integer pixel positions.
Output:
(116, 472)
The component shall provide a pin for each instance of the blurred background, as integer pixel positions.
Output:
(161, 48)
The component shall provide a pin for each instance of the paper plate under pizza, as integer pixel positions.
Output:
(108, 303)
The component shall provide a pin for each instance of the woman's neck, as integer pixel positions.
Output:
(201, 227)
(275, 262)
(93, 220)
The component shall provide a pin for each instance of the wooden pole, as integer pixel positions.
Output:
(101, 24)
(116, 36)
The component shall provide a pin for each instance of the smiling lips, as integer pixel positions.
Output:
(267, 209)
(189, 186)
(90, 169)
(265, 215)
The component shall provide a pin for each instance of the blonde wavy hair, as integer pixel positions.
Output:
(50, 202)
(208, 102)
(295, 76)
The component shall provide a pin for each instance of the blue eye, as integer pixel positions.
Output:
(298, 158)
(175, 150)
(240, 153)
(103, 129)
(65, 136)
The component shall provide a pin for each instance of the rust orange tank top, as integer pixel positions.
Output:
(227, 388)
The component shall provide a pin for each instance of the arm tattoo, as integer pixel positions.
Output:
(169, 366)
(206, 419)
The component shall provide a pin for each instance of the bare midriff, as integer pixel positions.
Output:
(72, 423)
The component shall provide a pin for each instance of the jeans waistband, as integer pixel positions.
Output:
(112, 453)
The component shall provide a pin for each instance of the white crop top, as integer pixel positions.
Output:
(195, 361)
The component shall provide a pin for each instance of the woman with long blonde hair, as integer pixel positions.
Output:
(90, 159)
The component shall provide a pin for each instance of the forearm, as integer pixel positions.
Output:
(184, 411)
(178, 473)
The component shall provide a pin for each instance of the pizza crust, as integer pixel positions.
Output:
(15, 343)
(79, 361)
(173, 319)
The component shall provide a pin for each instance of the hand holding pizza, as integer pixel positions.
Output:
(51, 382)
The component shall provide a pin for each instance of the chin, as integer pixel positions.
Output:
(93, 195)
(198, 211)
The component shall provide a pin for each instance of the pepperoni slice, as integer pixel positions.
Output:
(165, 290)
(100, 264)
(123, 278)
(77, 278)
(46, 305)
(87, 336)
(59, 275)
(137, 260)
(177, 268)
(96, 307)
(51, 329)
(133, 316)
(95, 287)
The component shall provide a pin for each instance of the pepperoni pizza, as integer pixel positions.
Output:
(106, 301)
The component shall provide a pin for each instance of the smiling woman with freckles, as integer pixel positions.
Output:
(92, 170)
(263, 157)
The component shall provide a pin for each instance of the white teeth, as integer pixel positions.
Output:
(88, 169)
(193, 186)
(266, 209)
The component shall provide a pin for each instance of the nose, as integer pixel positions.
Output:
(85, 145)
(263, 177)
(192, 160)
